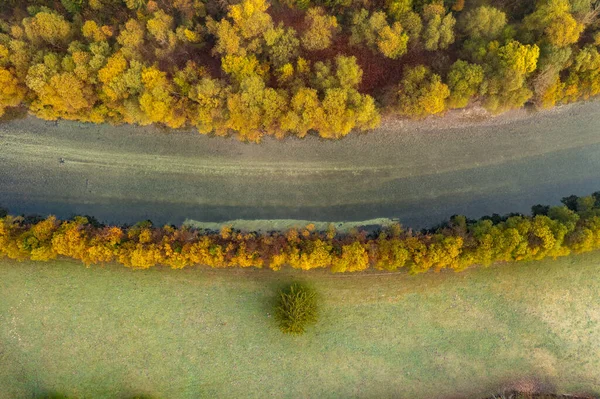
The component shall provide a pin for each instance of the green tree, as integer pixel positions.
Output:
(72, 6)
(241, 67)
(210, 96)
(377, 34)
(255, 109)
(464, 80)
(47, 27)
(421, 93)
(392, 41)
(131, 39)
(438, 32)
(299, 4)
(120, 78)
(282, 45)
(507, 69)
(412, 24)
(483, 22)
(320, 29)
(583, 80)
(19, 54)
(160, 27)
(190, 8)
(565, 216)
(348, 72)
(322, 76)
(581, 7)
(136, 4)
(518, 57)
(390, 253)
(296, 309)
(553, 19)
(364, 28)
(547, 85)
(92, 31)
(398, 8)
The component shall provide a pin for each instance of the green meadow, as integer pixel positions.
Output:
(112, 332)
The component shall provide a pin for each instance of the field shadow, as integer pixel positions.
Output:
(58, 395)
(51, 395)
(14, 113)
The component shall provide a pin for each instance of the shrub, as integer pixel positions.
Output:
(296, 309)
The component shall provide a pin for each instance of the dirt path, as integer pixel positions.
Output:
(417, 172)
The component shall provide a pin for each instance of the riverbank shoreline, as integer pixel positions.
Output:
(471, 116)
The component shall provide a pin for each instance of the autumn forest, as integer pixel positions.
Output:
(254, 68)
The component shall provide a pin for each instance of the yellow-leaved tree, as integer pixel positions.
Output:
(421, 92)
(553, 20)
(48, 28)
(320, 29)
(157, 101)
(12, 92)
(378, 34)
(241, 33)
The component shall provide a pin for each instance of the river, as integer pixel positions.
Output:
(417, 172)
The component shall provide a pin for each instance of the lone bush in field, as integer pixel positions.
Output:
(296, 309)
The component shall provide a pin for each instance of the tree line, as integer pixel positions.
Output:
(254, 68)
(459, 243)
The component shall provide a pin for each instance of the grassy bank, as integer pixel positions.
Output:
(113, 332)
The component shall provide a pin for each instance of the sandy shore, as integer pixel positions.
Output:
(266, 225)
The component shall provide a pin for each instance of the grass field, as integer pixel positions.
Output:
(113, 332)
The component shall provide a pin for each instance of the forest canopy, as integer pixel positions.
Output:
(255, 68)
